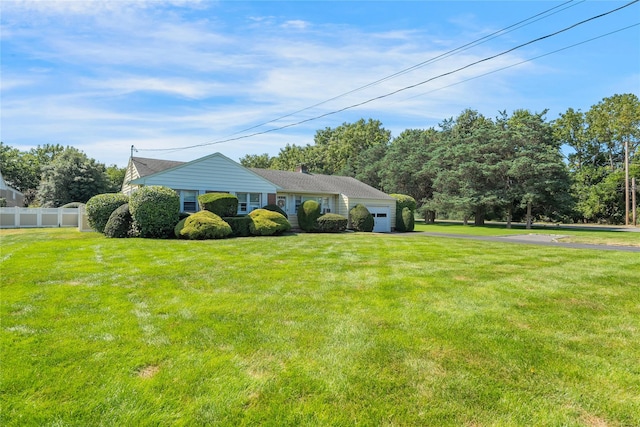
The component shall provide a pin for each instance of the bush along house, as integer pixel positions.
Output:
(256, 188)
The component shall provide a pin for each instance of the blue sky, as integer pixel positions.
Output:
(104, 75)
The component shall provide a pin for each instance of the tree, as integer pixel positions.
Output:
(23, 170)
(115, 178)
(289, 158)
(71, 177)
(335, 150)
(616, 122)
(464, 162)
(536, 175)
(407, 166)
(261, 161)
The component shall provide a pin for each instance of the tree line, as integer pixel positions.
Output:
(53, 175)
(511, 167)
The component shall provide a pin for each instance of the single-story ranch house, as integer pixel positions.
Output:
(258, 187)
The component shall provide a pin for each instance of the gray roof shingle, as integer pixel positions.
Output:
(150, 166)
(315, 183)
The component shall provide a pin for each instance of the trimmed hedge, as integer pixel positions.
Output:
(404, 221)
(240, 225)
(308, 214)
(120, 224)
(155, 211)
(268, 223)
(99, 208)
(332, 223)
(203, 225)
(361, 218)
(221, 204)
(276, 208)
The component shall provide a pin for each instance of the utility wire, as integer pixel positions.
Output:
(467, 46)
(522, 62)
(437, 58)
(401, 89)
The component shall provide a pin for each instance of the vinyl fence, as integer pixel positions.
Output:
(17, 217)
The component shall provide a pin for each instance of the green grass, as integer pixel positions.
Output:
(310, 329)
(573, 234)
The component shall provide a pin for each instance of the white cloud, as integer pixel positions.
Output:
(296, 24)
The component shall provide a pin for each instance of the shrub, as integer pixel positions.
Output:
(100, 207)
(240, 225)
(408, 219)
(332, 223)
(276, 208)
(204, 225)
(267, 223)
(221, 204)
(179, 226)
(361, 218)
(308, 214)
(73, 205)
(120, 223)
(3, 202)
(404, 222)
(155, 211)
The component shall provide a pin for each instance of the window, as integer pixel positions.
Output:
(189, 200)
(248, 202)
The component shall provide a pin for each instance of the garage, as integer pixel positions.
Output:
(381, 218)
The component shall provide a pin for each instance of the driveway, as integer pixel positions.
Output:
(531, 239)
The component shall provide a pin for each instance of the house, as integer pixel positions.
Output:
(255, 188)
(11, 195)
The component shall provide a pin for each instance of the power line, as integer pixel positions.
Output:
(437, 58)
(523, 62)
(506, 30)
(401, 89)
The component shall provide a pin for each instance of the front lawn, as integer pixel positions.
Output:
(315, 329)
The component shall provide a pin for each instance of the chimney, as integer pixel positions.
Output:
(302, 168)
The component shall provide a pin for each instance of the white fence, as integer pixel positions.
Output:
(44, 217)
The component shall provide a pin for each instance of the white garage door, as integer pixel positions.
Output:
(381, 217)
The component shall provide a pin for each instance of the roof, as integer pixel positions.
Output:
(294, 182)
(150, 166)
(316, 183)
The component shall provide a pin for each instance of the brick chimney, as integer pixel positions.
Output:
(302, 168)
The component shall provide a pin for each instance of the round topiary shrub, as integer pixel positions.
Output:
(221, 204)
(100, 207)
(268, 223)
(155, 211)
(404, 222)
(308, 214)
(332, 223)
(276, 208)
(203, 225)
(120, 224)
(361, 218)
